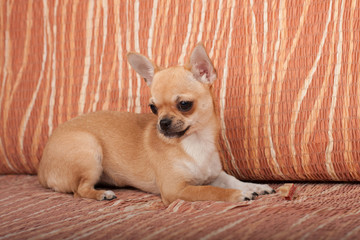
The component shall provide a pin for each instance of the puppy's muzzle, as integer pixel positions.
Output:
(172, 129)
(165, 124)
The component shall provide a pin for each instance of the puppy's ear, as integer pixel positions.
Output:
(201, 65)
(143, 66)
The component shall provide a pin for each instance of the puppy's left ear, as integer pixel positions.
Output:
(201, 65)
(143, 66)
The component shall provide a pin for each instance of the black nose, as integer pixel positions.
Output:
(165, 123)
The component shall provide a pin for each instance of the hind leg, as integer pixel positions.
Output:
(89, 172)
(72, 162)
(86, 190)
(89, 176)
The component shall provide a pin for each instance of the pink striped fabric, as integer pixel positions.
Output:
(287, 91)
(322, 211)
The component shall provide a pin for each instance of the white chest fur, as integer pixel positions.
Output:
(204, 164)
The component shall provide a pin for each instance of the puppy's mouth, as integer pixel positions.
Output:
(170, 134)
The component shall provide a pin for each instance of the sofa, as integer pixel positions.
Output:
(287, 95)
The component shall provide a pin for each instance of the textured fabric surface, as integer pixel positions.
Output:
(322, 211)
(288, 88)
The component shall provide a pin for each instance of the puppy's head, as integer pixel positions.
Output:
(181, 96)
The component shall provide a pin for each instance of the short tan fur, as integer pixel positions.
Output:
(172, 152)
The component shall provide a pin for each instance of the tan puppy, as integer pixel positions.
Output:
(173, 152)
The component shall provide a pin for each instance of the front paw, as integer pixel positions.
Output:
(241, 196)
(261, 189)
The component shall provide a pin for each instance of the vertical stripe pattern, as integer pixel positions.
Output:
(288, 87)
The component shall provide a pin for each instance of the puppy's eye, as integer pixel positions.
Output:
(153, 108)
(184, 106)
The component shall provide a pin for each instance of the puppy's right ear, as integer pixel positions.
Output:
(142, 65)
(201, 65)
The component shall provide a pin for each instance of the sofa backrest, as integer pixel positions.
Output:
(288, 87)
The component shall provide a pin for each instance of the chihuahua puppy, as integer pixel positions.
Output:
(172, 152)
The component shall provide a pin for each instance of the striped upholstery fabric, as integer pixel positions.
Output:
(288, 87)
(322, 211)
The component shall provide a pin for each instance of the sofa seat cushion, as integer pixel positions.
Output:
(29, 211)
